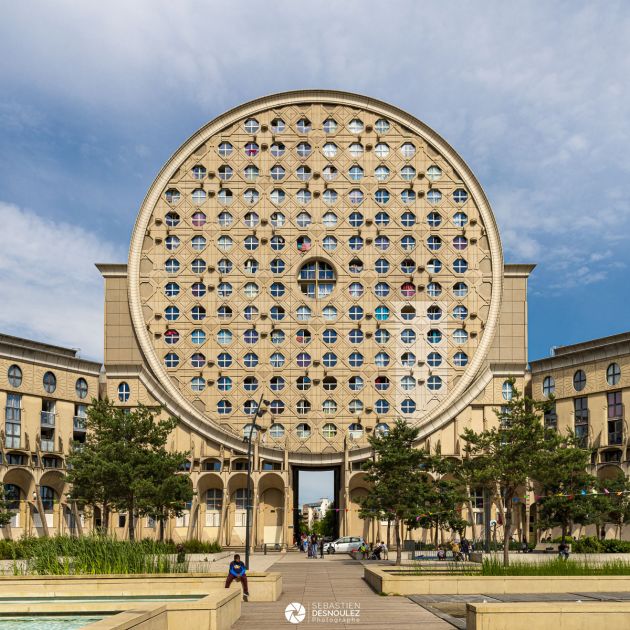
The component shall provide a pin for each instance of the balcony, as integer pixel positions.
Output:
(47, 418)
(78, 424)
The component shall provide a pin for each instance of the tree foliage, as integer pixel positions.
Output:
(6, 513)
(566, 485)
(124, 464)
(399, 477)
(503, 458)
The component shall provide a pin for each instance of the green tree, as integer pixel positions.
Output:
(566, 486)
(324, 526)
(616, 501)
(165, 494)
(125, 465)
(6, 512)
(506, 456)
(443, 499)
(399, 478)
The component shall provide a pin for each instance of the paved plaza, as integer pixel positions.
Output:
(333, 579)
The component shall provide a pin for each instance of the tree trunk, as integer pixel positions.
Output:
(162, 528)
(508, 532)
(398, 546)
(105, 520)
(130, 523)
(564, 531)
(389, 533)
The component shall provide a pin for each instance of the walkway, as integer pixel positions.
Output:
(334, 579)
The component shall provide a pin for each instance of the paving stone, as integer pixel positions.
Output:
(335, 580)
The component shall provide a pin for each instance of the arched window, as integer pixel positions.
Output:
(15, 376)
(50, 382)
(507, 390)
(549, 385)
(613, 374)
(579, 380)
(124, 392)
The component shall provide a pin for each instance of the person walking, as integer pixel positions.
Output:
(314, 546)
(237, 572)
(384, 551)
(466, 549)
(563, 551)
(456, 551)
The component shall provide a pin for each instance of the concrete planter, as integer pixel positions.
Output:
(548, 615)
(263, 587)
(384, 581)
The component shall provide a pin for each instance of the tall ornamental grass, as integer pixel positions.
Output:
(93, 555)
(557, 567)
(494, 567)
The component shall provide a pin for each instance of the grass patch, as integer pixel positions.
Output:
(557, 567)
(494, 567)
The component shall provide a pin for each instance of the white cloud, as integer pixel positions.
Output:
(533, 95)
(49, 285)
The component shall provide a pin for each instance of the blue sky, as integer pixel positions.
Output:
(96, 96)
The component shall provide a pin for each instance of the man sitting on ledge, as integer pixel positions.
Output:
(237, 572)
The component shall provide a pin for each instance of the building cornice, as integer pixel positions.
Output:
(518, 270)
(604, 352)
(49, 359)
(112, 270)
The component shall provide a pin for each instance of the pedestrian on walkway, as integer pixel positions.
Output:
(466, 549)
(384, 550)
(237, 572)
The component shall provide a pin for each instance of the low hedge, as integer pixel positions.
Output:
(591, 544)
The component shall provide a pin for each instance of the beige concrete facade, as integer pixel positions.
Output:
(406, 310)
(196, 320)
(591, 385)
(44, 394)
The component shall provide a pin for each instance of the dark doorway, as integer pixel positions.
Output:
(327, 489)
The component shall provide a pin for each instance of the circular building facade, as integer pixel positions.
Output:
(325, 252)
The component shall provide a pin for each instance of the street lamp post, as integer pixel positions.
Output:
(255, 427)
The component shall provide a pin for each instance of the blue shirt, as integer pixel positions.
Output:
(237, 569)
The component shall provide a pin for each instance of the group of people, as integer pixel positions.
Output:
(373, 551)
(461, 550)
(311, 545)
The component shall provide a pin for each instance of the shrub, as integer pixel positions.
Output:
(589, 544)
(197, 546)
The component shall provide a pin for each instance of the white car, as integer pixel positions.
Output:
(344, 544)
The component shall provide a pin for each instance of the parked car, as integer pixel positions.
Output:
(345, 544)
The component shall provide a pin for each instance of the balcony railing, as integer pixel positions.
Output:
(78, 423)
(47, 418)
